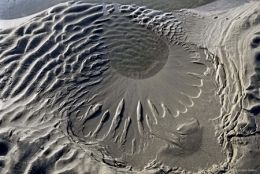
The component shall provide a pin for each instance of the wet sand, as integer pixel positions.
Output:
(108, 87)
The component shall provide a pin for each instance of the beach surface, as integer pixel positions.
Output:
(129, 87)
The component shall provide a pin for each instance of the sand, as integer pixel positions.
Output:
(119, 88)
(22, 8)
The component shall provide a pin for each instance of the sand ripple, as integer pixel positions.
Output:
(115, 78)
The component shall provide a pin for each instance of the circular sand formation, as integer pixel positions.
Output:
(134, 51)
(122, 77)
(129, 117)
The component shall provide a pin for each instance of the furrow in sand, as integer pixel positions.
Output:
(140, 119)
(153, 111)
(125, 130)
(116, 119)
(102, 120)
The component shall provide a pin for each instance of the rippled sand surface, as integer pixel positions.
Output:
(22, 8)
(92, 87)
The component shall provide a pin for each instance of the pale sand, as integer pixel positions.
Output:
(102, 88)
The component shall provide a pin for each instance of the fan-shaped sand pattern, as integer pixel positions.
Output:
(114, 72)
(123, 107)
